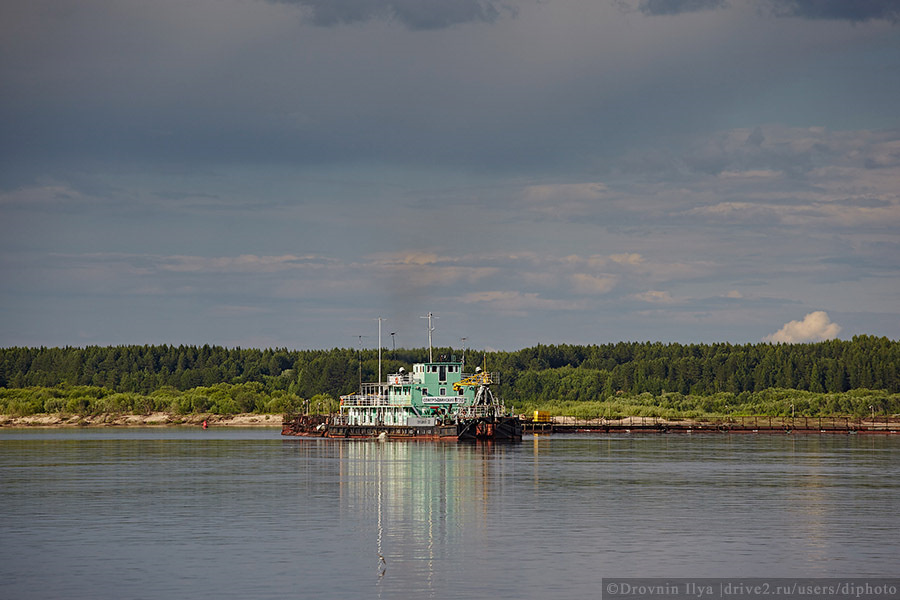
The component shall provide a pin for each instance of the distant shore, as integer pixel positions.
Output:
(155, 419)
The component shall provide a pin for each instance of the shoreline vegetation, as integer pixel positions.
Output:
(155, 419)
(856, 378)
(65, 405)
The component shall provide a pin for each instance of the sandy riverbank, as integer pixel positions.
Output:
(157, 419)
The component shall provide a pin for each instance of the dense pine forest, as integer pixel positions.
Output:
(833, 377)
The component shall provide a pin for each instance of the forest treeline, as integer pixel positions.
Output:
(245, 380)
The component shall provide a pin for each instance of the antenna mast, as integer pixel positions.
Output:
(359, 359)
(429, 316)
(380, 319)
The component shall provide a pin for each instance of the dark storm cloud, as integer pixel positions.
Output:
(675, 7)
(414, 14)
(838, 10)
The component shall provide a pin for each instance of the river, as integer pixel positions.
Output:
(245, 513)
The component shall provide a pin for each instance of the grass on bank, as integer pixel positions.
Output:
(774, 402)
(227, 399)
(219, 399)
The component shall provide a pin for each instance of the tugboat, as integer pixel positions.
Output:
(436, 401)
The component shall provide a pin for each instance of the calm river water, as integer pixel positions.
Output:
(237, 513)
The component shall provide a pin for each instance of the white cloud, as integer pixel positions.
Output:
(573, 191)
(593, 284)
(517, 303)
(815, 327)
(408, 258)
(737, 212)
(424, 269)
(751, 174)
(655, 297)
(244, 263)
(632, 259)
(564, 200)
(841, 212)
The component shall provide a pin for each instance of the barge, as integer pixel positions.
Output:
(436, 401)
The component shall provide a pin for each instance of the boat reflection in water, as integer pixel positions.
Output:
(428, 503)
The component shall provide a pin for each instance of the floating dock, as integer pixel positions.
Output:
(737, 424)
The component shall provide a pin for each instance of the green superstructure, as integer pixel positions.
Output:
(433, 392)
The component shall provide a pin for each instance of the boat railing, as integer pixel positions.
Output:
(374, 400)
(363, 400)
(473, 412)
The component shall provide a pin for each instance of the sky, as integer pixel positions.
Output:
(281, 173)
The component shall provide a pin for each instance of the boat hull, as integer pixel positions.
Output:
(481, 428)
(491, 428)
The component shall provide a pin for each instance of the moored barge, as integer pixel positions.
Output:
(436, 401)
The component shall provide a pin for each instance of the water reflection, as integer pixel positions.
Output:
(422, 499)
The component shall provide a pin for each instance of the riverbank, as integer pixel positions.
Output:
(154, 419)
